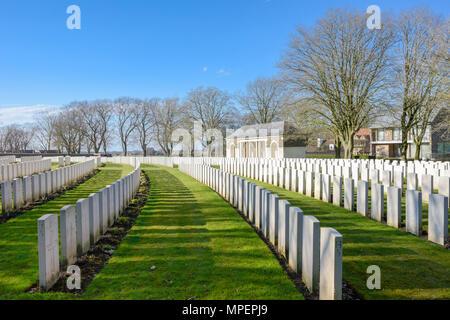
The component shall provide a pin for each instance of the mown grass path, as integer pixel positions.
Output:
(200, 246)
(411, 268)
(18, 236)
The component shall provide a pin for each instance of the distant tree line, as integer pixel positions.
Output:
(336, 76)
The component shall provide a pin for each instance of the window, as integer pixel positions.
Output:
(397, 134)
(381, 134)
(443, 147)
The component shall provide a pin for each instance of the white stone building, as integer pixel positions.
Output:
(275, 140)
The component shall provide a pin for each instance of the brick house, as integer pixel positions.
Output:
(386, 139)
(361, 142)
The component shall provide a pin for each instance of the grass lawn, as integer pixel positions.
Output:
(18, 236)
(411, 268)
(199, 244)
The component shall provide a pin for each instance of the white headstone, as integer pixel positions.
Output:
(438, 218)
(330, 264)
(414, 212)
(48, 244)
(83, 238)
(68, 236)
(311, 253)
(295, 238)
(394, 207)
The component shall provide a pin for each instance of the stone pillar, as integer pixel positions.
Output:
(438, 218)
(48, 244)
(330, 264)
(414, 212)
(68, 236)
(394, 207)
(295, 239)
(311, 253)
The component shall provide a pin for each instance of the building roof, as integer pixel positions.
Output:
(363, 132)
(291, 135)
(389, 121)
(256, 130)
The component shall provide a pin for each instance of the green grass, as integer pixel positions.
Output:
(411, 268)
(200, 246)
(18, 237)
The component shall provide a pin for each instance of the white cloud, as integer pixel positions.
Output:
(205, 69)
(223, 73)
(22, 114)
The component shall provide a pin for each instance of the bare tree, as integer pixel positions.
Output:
(125, 109)
(45, 129)
(212, 108)
(263, 100)
(70, 128)
(104, 109)
(15, 138)
(422, 55)
(145, 121)
(168, 117)
(340, 67)
(93, 125)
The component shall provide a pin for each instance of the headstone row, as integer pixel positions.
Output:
(81, 226)
(28, 189)
(331, 189)
(30, 158)
(7, 159)
(11, 171)
(314, 253)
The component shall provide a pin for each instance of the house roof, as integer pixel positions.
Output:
(389, 121)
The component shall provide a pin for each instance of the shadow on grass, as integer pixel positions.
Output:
(200, 248)
(411, 268)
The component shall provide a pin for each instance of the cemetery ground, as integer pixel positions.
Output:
(18, 236)
(411, 268)
(188, 243)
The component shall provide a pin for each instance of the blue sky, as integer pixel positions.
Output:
(146, 48)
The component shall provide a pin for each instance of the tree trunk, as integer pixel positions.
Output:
(144, 150)
(404, 146)
(337, 149)
(417, 154)
(348, 147)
